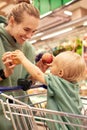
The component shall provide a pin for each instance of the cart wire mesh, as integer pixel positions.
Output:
(21, 115)
(32, 116)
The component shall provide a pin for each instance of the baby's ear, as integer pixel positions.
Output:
(60, 73)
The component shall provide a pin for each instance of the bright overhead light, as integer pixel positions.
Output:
(31, 1)
(69, 2)
(85, 23)
(2, 4)
(38, 34)
(68, 12)
(33, 41)
(45, 14)
(56, 33)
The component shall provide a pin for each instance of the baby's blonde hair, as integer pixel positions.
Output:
(72, 64)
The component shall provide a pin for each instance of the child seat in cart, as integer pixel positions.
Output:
(21, 115)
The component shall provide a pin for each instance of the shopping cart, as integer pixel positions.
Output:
(15, 105)
(21, 115)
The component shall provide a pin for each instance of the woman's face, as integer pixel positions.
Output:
(24, 30)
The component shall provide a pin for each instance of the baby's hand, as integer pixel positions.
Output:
(17, 57)
(15, 61)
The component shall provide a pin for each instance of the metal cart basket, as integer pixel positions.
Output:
(21, 115)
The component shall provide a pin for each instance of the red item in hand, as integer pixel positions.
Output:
(47, 58)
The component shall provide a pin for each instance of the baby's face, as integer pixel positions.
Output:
(54, 67)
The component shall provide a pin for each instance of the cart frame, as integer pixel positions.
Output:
(19, 110)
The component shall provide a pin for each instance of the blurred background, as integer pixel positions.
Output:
(62, 26)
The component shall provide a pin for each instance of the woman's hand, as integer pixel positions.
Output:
(9, 66)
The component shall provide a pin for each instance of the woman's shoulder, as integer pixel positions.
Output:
(3, 19)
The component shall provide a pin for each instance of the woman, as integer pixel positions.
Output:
(15, 31)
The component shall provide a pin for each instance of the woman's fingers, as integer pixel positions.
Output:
(6, 56)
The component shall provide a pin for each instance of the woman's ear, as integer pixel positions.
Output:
(60, 73)
(11, 20)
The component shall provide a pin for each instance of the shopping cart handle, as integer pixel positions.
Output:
(38, 86)
(8, 88)
(23, 84)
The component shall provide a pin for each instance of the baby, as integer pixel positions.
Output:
(66, 70)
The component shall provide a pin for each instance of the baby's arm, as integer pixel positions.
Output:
(33, 70)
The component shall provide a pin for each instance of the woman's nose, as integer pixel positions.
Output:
(29, 35)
